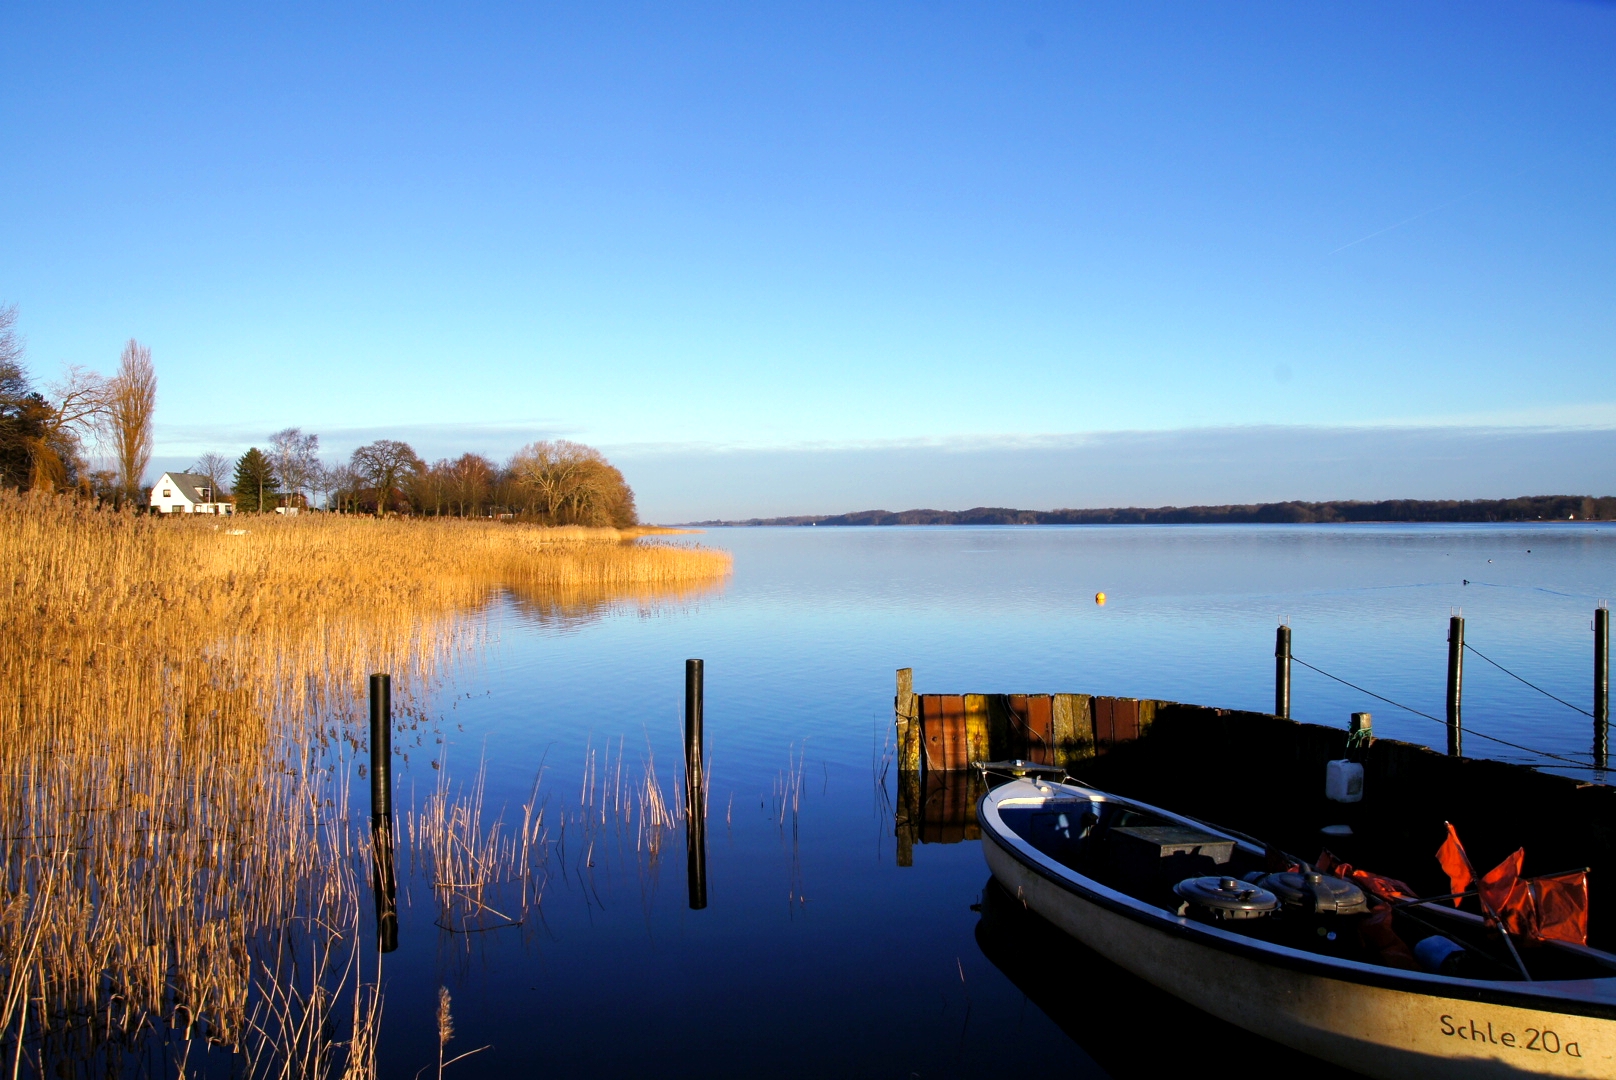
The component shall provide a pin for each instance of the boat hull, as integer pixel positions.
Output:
(1373, 1029)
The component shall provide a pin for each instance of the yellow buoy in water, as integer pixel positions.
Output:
(1099, 598)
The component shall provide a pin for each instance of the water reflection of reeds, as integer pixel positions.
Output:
(179, 699)
(572, 607)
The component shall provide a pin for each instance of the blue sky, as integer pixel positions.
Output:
(709, 238)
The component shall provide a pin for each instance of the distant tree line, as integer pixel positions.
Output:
(46, 436)
(553, 483)
(1524, 508)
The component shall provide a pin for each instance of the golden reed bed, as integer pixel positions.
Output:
(180, 707)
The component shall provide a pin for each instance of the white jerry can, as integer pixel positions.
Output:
(1343, 781)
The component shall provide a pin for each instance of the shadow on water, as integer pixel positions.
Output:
(1129, 1027)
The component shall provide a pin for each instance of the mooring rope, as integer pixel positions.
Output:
(1533, 685)
(1428, 716)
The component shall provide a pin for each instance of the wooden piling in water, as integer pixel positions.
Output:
(384, 881)
(1601, 687)
(1282, 672)
(906, 717)
(1455, 686)
(695, 788)
(381, 746)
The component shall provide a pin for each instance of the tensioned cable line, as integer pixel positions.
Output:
(1533, 685)
(1428, 716)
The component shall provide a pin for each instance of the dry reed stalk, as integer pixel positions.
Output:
(482, 878)
(178, 700)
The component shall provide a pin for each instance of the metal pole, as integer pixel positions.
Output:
(383, 880)
(1282, 672)
(1601, 687)
(695, 790)
(1455, 685)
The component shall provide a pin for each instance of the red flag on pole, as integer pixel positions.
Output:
(1507, 896)
(1451, 855)
(1561, 903)
(1553, 908)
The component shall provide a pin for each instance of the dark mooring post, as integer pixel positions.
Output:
(1455, 685)
(1282, 672)
(1601, 687)
(695, 790)
(383, 879)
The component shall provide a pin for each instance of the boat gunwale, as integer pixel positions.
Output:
(1562, 996)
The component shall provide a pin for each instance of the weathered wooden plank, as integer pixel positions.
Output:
(906, 717)
(977, 724)
(1072, 720)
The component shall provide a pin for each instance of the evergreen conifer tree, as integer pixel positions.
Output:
(255, 482)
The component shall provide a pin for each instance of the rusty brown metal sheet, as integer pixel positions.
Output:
(942, 730)
(1041, 729)
(1115, 720)
(1028, 727)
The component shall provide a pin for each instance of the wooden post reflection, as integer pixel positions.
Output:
(695, 790)
(384, 882)
(936, 808)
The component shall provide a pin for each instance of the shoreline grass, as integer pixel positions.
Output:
(181, 702)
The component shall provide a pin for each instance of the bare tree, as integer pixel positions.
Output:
(297, 459)
(471, 478)
(428, 486)
(568, 483)
(341, 484)
(216, 467)
(40, 440)
(12, 345)
(80, 409)
(317, 480)
(546, 469)
(131, 403)
(383, 464)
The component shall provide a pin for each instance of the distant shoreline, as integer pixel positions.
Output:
(1522, 509)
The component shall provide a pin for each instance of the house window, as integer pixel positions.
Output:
(168, 493)
(207, 494)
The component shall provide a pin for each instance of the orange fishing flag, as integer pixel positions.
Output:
(1504, 894)
(1562, 907)
(1451, 855)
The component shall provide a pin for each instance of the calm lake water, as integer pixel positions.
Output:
(817, 954)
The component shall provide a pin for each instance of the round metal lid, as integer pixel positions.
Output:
(1226, 894)
(1322, 893)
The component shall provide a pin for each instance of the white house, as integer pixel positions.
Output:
(187, 493)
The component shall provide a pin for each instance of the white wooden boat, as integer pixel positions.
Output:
(1198, 912)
